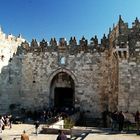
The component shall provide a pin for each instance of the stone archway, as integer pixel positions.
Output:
(62, 90)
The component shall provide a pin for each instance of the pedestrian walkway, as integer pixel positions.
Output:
(94, 134)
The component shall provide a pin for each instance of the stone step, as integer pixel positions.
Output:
(89, 122)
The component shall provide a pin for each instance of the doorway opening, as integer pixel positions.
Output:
(62, 91)
(63, 97)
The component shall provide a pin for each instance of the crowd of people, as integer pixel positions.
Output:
(5, 121)
(46, 114)
(37, 117)
(118, 119)
(49, 115)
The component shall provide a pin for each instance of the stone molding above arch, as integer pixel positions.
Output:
(53, 74)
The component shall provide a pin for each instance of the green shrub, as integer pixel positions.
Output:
(68, 123)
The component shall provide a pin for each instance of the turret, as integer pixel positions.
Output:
(123, 27)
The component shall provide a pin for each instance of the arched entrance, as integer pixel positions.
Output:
(62, 90)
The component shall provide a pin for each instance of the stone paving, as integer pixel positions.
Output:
(16, 131)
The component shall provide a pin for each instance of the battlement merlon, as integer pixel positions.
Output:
(121, 38)
(63, 45)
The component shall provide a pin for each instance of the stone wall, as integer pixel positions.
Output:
(126, 41)
(105, 76)
(31, 76)
(9, 72)
(8, 47)
(129, 86)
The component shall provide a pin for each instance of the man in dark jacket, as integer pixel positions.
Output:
(137, 120)
(121, 120)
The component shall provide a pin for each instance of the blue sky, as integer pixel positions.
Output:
(64, 18)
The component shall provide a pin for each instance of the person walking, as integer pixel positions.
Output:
(24, 136)
(114, 117)
(61, 135)
(1, 124)
(121, 120)
(10, 121)
(36, 127)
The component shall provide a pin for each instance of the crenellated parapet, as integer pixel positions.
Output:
(121, 38)
(62, 45)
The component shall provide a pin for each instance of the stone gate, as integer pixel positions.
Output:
(88, 75)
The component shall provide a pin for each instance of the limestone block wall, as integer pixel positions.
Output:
(31, 76)
(89, 72)
(10, 84)
(129, 86)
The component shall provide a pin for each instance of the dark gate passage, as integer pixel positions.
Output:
(63, 97)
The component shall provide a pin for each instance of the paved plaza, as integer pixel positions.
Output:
(17, 129)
